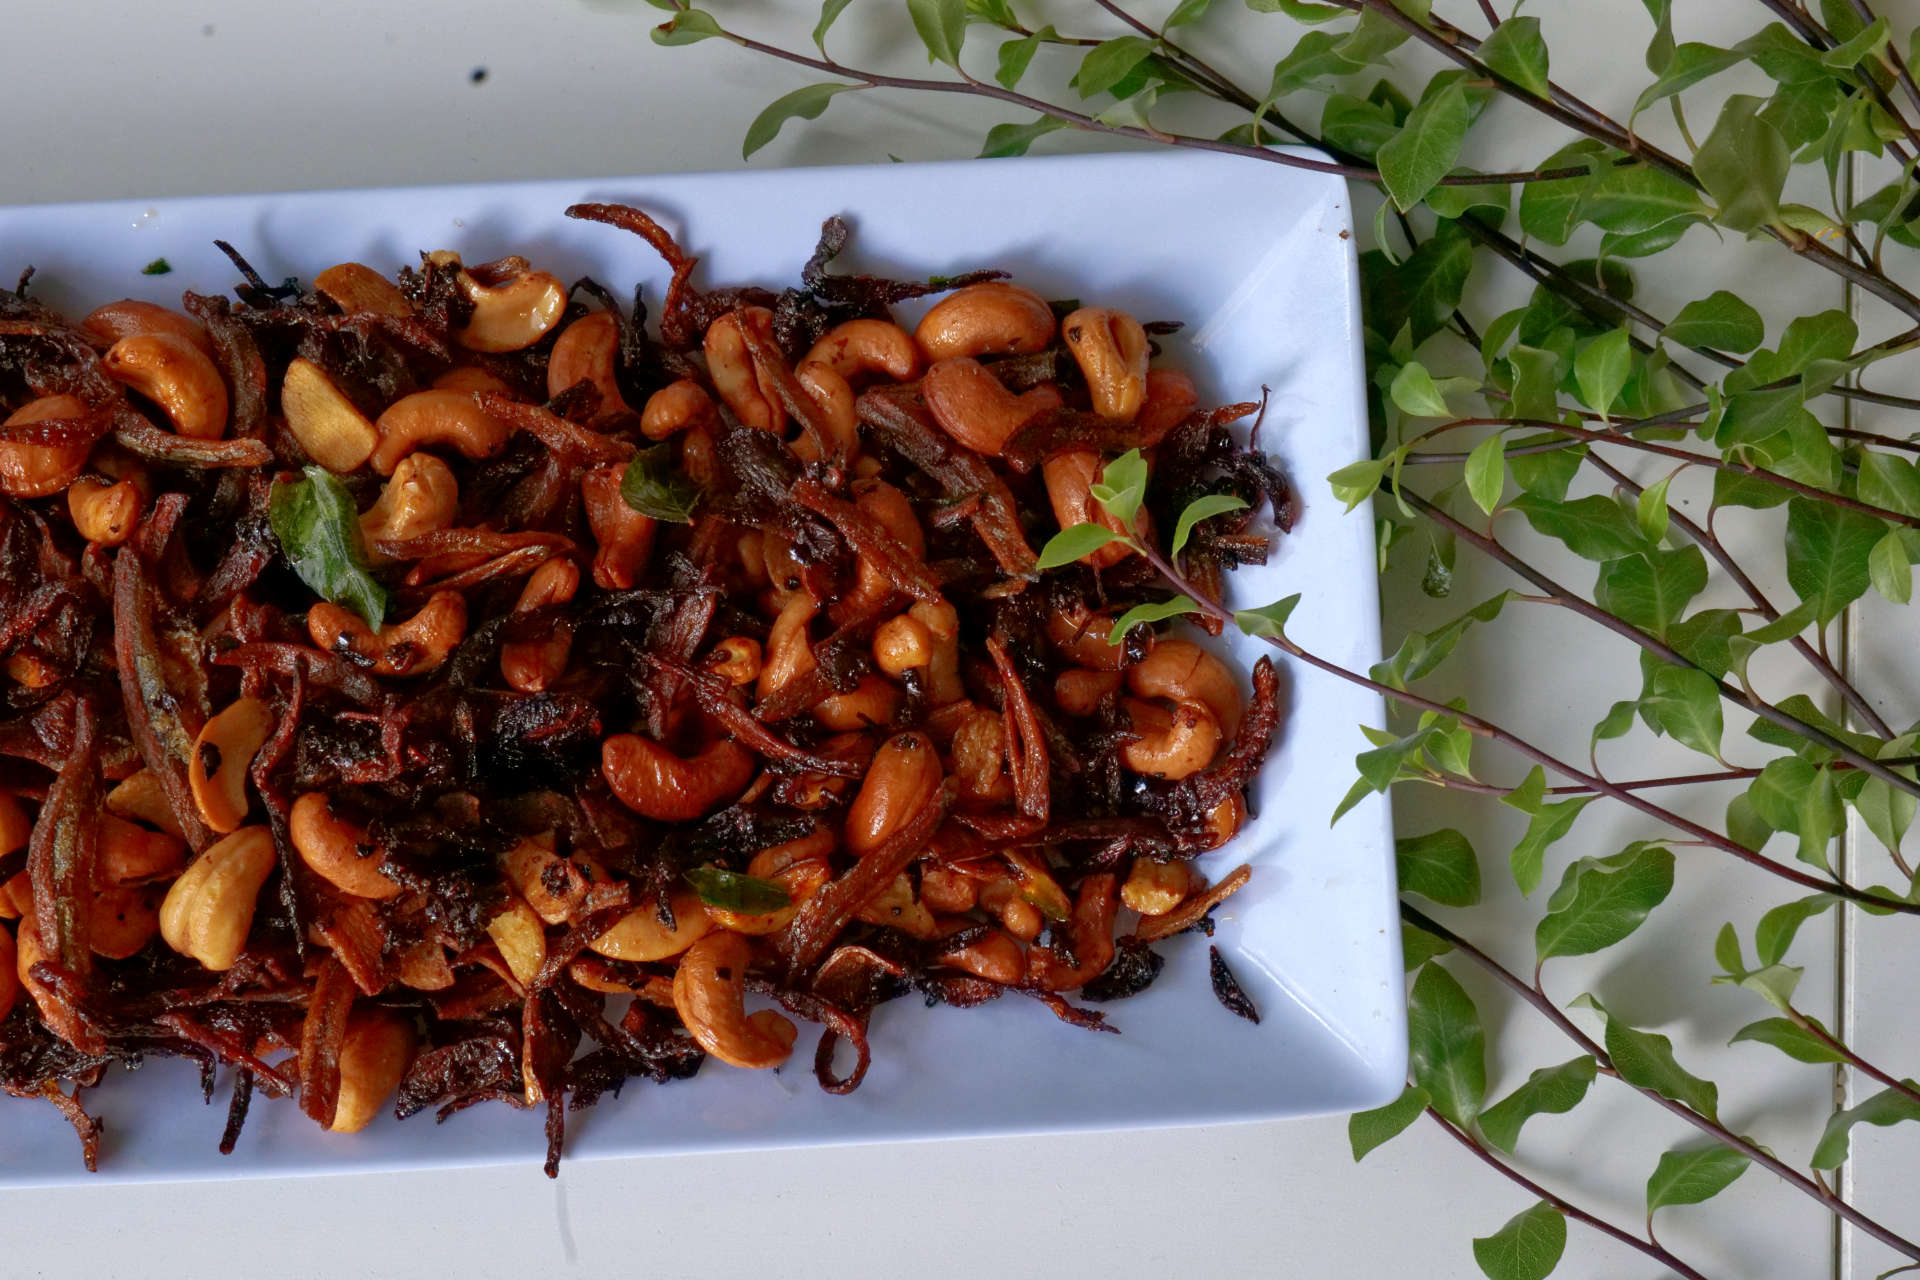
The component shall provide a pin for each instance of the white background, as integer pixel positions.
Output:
(164, 98)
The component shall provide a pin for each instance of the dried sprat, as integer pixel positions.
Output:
(594, 620)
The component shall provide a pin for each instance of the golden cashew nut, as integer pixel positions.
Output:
(995, 318)
(942, 622)
(1171, 400)
(374, 1056)
(436, 417)
(902, 780)
(901, 644)
(587, 351)
(867, 346)
(516, 930)
(104, 514)
(319, 415)
(816, 846)
(513, 306)
(354, 287)
(736, 660)
(1181, 671)
(123, 920)
(655, 783)
(1080, 634)
(971, 405)
(60, 1017)
(871, 703)
(674, 408)
(139, 796)
(410, 648)
(625, 536)
(38, 470)
(734, 374)
(995, 957)
(16, 897)
(176, 375)
(1079, 692)
(1155, 888)
(9, 977)
(423, 966)
(639, 935)
(789, 651)
(420, 497)
(130, 855)
(1070, 479)
(336, 850)
(1111, 349)
(1172, 744)
(834, 394)
(222, 754)
(130, 317)
(707, 990)
(531, 666)
(555, 887)
(472, 379)
(209, 910)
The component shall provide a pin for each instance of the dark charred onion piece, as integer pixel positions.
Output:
(1085, 1019)
(869, 537)
(557, 433)
(321, 1036)
(142, 437)
(237, 1111)
(484, 1061)
(1026, 744)
(1061, 430)
(677, 328)
(712, 693)
(60, 862)
(1135, 966)
(903, 425)
(1226, 988)
(1194, 909)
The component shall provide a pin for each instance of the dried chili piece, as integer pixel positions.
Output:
(1227, 990)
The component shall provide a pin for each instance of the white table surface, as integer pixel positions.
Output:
(107, 99)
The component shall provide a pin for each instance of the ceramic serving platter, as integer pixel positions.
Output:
(1258, 260)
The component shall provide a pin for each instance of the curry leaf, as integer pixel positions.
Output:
(829, 11)
(1601, 369)
(318, 529)
(942, 26)
(687, 26)
(1447, 1049)
(1108, 63)
(1549, 823)
(1269, 620)
(1789, 1038)
(1517, 51)
(1828, 549)
(1650, 590)
(1014, 139)
(1486, 472)
(1743, 165)
(732, 891)
(654, 485)
(1594, 528)
(1645, 1060)
(1122, 487)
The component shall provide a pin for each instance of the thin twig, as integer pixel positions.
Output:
(1853, 1059)
(1717, 1131)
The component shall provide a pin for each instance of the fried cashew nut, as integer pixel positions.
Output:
(130, 317)
(707, 990)
(409, 648)
(972, 406)
(531, 666)
(130, 855)
(655, 783)
(902, 780)
(514, 306)
(420, 497)
(674, 408)
(104, 513)
(1155, 888)
(867, 346)
(30, 470)
(1172, 744)
(625, 536)
(224, 751)
(438, 416)
(357, 288)
(319, 415)
(209, 910)
(1111, 349)
(995, 318)
(176, 375)
(1171, 400)
(734, 374)
(587, 351)
(336, 850)
(1181, 671)
(1070, 478)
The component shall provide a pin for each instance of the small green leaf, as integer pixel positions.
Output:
(1693, 1176)
(1651, 510)
(1071, 543)
(688, 26)
(1516, 51)
(158, 267)
(1549, 823)
(1548, 1091)
(829, 11)
(1269, 620)
(1861, 48)
(1546, 474)
(318, 528)
(1593, 528)
(1789, 1038)
(1828, 549)
(1530, 794)
(1455, 199)
(1422, 292)
(1743, 164)
(1298, 10)
(1427, 146)
(1889, 568)
(1417, 946)
(655, 486)
(1358, 126)
(1439, 866)
(942, 26)
(1600, 901)
(805, 103)
(1014, 57)
(1548, 210)
(1187, 11)
(1415, 394)
(1527, 1248)
(1203, 508)
(1601, 369)
(1890, 482)
(1685, 703)
(1888, 1107)
(1689, 65)
(1486, 472)
(1446, 1047)
(1723, 321)
(1109, 62)
(1775, 932)
(1014, 139)
(1645, 1060)
(1159, 611)
(1369, 1129)
(1652, 589)
(732, 891)
(1122, 487)
(1356, 482)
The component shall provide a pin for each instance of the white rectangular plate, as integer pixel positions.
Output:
(1258, 261)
